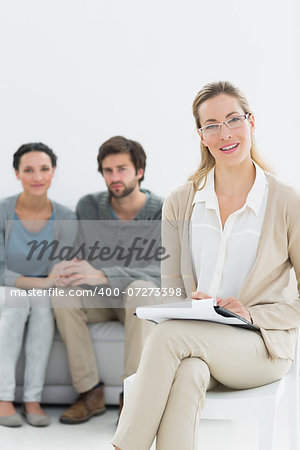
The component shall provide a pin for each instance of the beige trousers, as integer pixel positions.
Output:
(180, 362)
(72, 324)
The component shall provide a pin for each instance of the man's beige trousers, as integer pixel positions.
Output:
(72, 324)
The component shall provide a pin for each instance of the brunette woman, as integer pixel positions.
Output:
(26, 217)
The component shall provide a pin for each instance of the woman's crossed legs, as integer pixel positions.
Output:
(180, 361)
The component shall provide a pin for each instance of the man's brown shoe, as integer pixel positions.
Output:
(87, 405)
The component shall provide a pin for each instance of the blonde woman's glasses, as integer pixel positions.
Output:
(214, 128)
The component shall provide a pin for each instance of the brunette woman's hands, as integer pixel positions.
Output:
(77, 272)
(55, 277)
(235, 306)
(74, 273)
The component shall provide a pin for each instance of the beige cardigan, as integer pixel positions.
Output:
(264, 292)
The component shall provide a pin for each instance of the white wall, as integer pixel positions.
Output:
(75, 72)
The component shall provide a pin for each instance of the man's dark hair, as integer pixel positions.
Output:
(119, 144)
(33, 147)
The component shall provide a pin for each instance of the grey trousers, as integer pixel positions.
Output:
(37, 314)
(180, 362)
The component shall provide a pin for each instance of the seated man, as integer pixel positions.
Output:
(117, 277)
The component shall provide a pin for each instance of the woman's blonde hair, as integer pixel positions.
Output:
(211, 90)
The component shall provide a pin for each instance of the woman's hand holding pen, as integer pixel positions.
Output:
(230, 303)
(235, 306)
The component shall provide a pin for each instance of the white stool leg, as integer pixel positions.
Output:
(293, 417)
(267, 427)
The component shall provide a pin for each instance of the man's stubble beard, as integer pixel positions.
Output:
(127, 191)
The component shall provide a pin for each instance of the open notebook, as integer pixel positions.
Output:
(193, 310)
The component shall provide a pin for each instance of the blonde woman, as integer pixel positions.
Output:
(233, 233)
(24, 218)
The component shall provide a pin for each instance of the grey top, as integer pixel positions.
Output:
(16, 251)
(119, 233)
(64, 232)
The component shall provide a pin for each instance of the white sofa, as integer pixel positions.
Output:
(108, 339)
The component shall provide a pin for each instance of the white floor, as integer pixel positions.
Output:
(97, 433)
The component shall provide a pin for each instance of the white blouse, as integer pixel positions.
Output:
(223, 258)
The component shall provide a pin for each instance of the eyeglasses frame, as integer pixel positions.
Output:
(246, 117)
